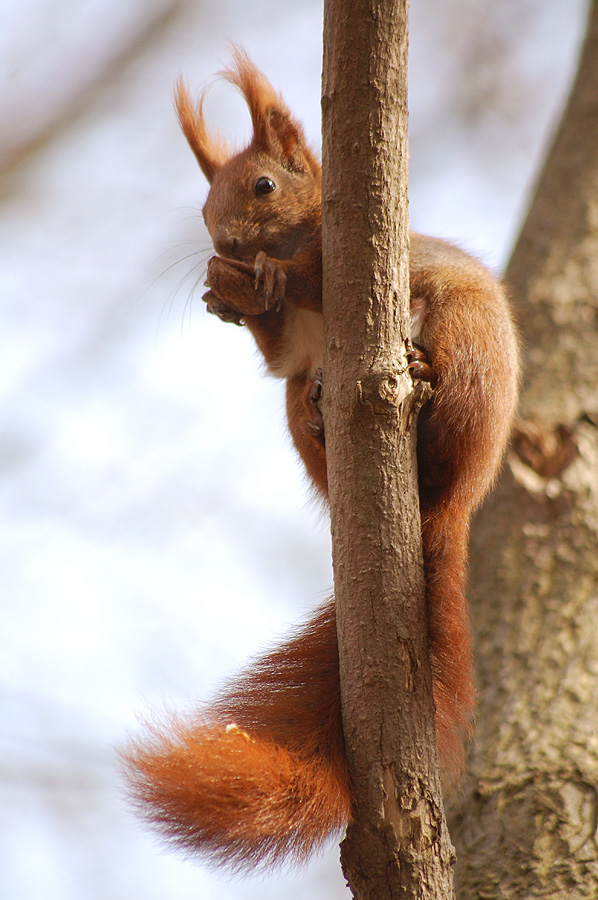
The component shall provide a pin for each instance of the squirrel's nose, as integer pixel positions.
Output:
(226, 246)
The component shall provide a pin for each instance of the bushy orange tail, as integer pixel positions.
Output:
(261, 775)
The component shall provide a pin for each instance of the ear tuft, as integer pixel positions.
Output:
(274, 129)
(211, 151)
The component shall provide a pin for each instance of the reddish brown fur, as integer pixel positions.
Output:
(211, 152)
(277, 782)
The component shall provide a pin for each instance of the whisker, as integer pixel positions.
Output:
(187, 308)
(203, 255)
(192, 212)
(201, 245)
(182, 259)
(199, 251)
(199, 267)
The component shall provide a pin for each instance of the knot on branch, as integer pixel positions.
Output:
(384, 389)
(392, 394)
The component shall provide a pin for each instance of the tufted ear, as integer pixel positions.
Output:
(211, 151)
(274, 129)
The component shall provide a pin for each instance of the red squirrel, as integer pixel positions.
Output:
(261, 773)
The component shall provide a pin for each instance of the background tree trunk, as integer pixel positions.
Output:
(526, 823)
(398, 844)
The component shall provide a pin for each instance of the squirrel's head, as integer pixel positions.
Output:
(267, 196)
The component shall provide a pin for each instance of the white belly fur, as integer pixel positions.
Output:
(304, 340)
(303, 344)
(418, 314)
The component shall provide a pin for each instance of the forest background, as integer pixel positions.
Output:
(156, 526)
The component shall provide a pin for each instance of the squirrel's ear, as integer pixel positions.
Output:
(287, 138)
(274, 130)
(211, 152)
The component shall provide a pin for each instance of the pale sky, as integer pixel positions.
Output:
(156, 528)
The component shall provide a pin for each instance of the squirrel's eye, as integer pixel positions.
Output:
(263, 186)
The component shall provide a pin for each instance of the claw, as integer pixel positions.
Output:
(314, 423)
(280, 284)
(315, 394)
(269, 281)
(258, 266)
(419, 365)
(275, 280)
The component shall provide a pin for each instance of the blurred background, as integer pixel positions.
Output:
(156, 528)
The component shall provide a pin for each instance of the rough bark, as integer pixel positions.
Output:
(398, 844)
(526, 823)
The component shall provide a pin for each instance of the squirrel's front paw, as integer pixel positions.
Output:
(419, 364)
(314, 422)
(275, 280)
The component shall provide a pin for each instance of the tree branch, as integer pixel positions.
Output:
(398, 844)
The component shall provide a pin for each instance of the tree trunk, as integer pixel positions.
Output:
(398, 844)
(526, 824)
